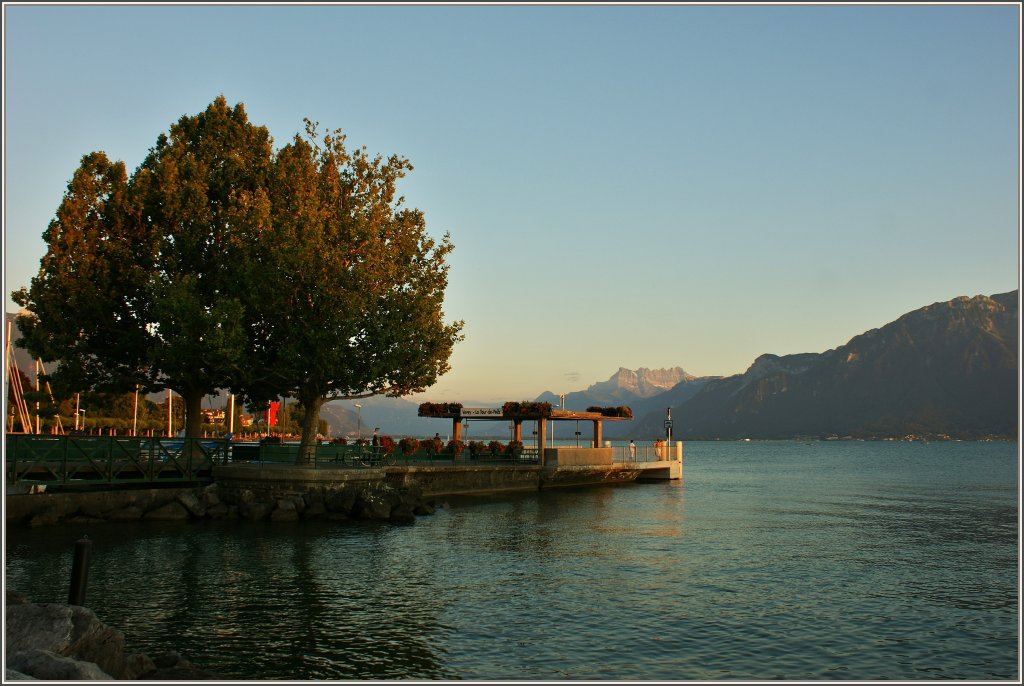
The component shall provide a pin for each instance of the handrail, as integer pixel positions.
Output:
(95, 460)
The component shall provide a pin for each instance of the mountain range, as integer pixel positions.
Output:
(950, 368)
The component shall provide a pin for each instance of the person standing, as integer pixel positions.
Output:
(632, 450)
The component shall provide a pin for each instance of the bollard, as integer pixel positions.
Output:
(80, 571)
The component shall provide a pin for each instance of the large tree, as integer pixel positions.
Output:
(144, 278)
(203, 191)
(88, 304)
(221, 265)
(351, 305)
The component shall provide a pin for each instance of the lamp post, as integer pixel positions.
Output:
(668, 428)
(561, 406)
(135, 416)
(81, 412)
(359, 421)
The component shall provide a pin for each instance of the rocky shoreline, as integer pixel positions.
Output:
(365, 501)
(54, 642)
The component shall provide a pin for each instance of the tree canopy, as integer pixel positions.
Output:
(223, 264)
(352, 302)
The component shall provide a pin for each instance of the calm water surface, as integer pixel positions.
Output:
(778, 560)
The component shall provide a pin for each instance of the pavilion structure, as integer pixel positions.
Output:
(517, 413)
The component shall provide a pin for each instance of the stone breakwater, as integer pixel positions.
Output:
(365, 501)
(53, 642)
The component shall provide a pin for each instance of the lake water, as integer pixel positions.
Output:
(775, 560)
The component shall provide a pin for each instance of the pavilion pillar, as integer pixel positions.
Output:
(456, 429)
(597, 433)
(518, 435)
(542, 427)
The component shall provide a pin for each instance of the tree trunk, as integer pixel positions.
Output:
(310, 423)
(193, 413)
(193, 423)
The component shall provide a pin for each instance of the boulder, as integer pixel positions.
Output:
(314, 505)
(45, 517)
(83, 519)
(192, 503)
(341, 501)
(68, 643)
(14, 675)
(171, 511)
(402, 514)
(48, 666)
(65, 630)
(97, 509)
(286, 515)
(218, 511)
(15, 598)
(373, 505)
(138, 664)
(211, 495)
(254, 511)
(423, 509)
(171, 666)
(128, 513)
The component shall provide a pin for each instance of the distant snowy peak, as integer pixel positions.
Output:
(642, 382)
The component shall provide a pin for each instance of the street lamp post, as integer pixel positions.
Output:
(359, 421)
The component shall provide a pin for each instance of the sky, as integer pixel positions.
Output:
(625, 186)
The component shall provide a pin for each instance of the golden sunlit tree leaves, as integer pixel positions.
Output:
(220, 264)
(351, 305)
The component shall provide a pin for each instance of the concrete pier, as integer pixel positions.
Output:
(562, 467)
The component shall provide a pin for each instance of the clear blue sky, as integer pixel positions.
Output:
(638, 186)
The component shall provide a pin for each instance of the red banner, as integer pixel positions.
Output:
(272, 413)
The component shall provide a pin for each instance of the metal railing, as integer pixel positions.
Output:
(33, 459)
(97, 460)
(333, 456)
(645, 452)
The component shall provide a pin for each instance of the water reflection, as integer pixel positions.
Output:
(772, 562)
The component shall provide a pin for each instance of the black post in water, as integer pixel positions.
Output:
(80, 571)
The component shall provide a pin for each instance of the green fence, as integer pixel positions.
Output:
(97, 460)
(331, 455)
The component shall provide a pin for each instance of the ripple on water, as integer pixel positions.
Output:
(845, 562)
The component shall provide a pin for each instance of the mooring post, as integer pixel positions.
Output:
(80, 571)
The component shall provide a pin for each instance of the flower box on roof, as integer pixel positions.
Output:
(526, 410)
(621, 411)
(440, 410)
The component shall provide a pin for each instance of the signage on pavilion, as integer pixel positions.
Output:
(482, 412)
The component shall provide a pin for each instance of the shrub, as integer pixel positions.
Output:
(496, 447)
(433, 446)
(440, 409)
(339, 441)
(456, 447)
(621, 411)
(515, 447)
(527, 408)
(387, 444)
(476, 448)
(408, 446)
